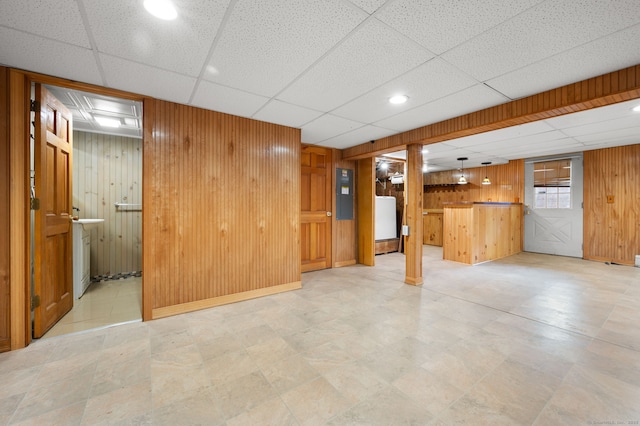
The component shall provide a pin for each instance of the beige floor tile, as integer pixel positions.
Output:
(270, 413)
(427, 390)
(194, 408)
(68, 415)
(129, 403)
(315, 402)
(289, 373)
(355, 381)
(242, 394)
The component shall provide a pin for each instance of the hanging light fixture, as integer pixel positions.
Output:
(462, 180)
(486, 180)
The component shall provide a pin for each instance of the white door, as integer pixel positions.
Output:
(553, 205)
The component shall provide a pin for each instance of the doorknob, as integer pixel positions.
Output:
(328, 213)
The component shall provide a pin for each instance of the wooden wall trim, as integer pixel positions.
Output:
(366, 192)
(18, 137)
(5, 224)
(606, 89)
(223, 300)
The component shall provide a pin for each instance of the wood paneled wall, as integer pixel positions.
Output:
(344, 231)
(5, 294)
(612, 230)
(507, 185)
(221, 210)
(108, 169)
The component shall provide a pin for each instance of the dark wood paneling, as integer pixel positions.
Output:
(221, 207)
(5, 294)
(610, 88)
(612, 229)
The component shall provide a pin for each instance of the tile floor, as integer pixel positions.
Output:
(103, 304)
(531, 339)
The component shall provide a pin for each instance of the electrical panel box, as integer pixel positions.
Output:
(344, 194)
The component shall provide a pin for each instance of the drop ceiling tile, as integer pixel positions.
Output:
(145, 80)
(369, 6)
(225, 99)
(265, 45)
(591, 138)
(617, 51)
(609, 143)
(326, 127)
(372, 56)
(631, 121)
(48, 57)
(357, 136)
(60, 21)
(286, 114)
(505, 134)
(507, 47)
(442, 24)
(428, 82)
(123, 28)
(469, 100)
(594, 115)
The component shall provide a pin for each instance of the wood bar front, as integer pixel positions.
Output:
(478, 232)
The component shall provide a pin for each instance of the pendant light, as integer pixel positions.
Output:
(486, 180)
(462, 180)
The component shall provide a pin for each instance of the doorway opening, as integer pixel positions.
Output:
(106, 213)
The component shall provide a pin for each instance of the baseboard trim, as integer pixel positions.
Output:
(222, 300)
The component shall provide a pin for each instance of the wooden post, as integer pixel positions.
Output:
(366, 195)
(413, 192)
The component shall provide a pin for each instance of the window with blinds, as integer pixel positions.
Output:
(552, 184)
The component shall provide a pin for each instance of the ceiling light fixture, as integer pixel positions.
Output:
(636, 108)
(398, 99)
(425, 168)
(383, 165)
(107, 121)
(162, 9)
(486, 180)
(462, 180)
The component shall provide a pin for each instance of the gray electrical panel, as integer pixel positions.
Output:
(344, 194)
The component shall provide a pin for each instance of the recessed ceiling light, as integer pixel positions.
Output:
(398, 99)
(162, 9)
(636, 108)
(107, 121)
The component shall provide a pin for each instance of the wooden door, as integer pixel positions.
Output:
(316, 208)
(553, 211)
(53, 280)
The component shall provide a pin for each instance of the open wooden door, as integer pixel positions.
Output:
(53, 280)
(316, 211)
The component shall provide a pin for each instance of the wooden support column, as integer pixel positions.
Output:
(366, 196)
(413, 189)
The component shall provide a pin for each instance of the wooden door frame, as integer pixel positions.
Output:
(18, 133)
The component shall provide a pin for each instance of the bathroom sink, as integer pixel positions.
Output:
(88, 222)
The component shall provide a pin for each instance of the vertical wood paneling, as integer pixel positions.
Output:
(5, 294)
(612, 230)
(507, 185)
(108, 169)
(365, 184)
(221, 207)
(413, 190)
(344, 231)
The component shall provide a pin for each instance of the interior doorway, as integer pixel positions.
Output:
(106, 198)
(553, 221)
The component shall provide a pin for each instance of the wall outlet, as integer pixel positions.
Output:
(610, 199)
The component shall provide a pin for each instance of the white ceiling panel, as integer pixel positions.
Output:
(327, 126)
(469, 100)
(508, 133)
(619, 50)
(595, 115)
(424, 84)
(559, 25)
(278, 40)
(279, 112)
(449, 23)
(58, 21)
(370, 57)
(591, 138)
(357, 136)
(369, 6)
(123, 28)
(216, 97)
(48, 56)
(134, 77)
(628, 122)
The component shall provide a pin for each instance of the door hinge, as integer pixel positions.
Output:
(35, 204)
(35, 302)
(34, 106)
